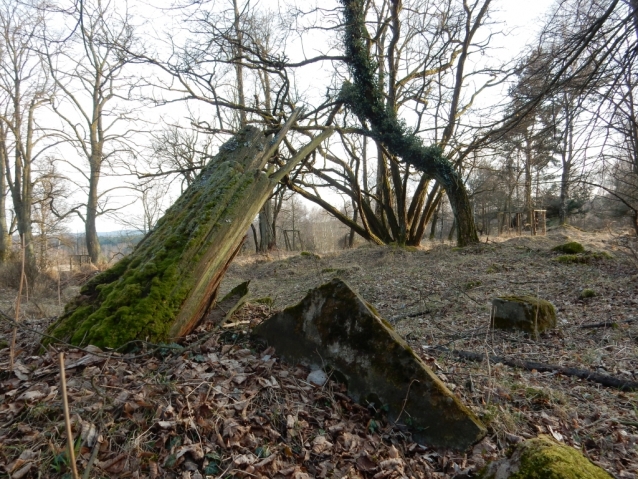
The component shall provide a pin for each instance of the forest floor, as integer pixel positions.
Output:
(218, 405)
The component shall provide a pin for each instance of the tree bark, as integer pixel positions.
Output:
(169, 282)
(5, 238)
(90, 226)
(266, 236)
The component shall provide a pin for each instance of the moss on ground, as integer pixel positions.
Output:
(584, 258)
(544, 458)
(573, 247)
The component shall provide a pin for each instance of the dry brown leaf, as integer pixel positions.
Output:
(366, 464)
(290, 421)
(23, 471)
(265, 462)
(245, 459)
(392, 452)
(320, 445)
(115, 465)
(31, 395)
(88, 433)
(167, 424)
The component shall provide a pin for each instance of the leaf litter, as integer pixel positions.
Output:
(219, 405)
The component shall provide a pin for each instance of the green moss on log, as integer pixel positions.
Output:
(140, 297)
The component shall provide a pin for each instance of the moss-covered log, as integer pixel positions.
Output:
(365, 97)
(169, 282)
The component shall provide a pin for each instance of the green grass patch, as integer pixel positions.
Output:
(585, 258)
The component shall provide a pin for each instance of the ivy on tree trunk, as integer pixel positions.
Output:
(365, 97)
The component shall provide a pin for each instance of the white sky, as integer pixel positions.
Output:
(521, 20)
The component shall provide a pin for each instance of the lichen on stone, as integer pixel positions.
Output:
(527, 313)
(335, 328)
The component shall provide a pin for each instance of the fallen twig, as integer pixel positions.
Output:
(87, 471)
(409, 315)
(67, 420)
(604, 379)
(605, 324)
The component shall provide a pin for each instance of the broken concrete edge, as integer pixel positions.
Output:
(238, 296)
(222, 310)
(397, 380)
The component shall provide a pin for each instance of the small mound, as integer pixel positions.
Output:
(573, 247)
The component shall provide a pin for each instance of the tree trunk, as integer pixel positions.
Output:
(5, 238)
(365, 98)
(529, 205)
(564, 195)
(452, 229)
(266, 236)
(166, 286)
(90, 227)
(435, 218)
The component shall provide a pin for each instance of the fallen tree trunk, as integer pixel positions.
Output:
(169, 282)
(604, 379)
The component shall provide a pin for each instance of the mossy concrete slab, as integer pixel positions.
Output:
(543, 457)
(334, 328)
(526, 313)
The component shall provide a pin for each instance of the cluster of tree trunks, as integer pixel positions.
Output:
(365, 97)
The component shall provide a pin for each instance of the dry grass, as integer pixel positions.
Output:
(441, 296)
(226, 407)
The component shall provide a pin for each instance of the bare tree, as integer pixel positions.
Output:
(25, 88)
(5, 233)
(49, 186)
(177, 152)
(89, 70)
